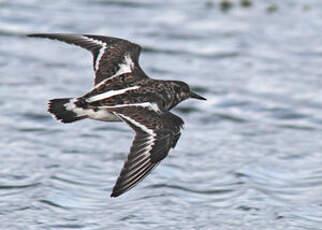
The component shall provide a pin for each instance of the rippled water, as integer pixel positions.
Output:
(250, 157)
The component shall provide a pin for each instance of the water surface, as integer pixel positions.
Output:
(249, 158)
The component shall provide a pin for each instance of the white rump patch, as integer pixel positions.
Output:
(110, 93)
(70, 106)
(100, 114)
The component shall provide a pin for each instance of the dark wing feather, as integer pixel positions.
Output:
(156, 134)
(136, 167)
(108, 52)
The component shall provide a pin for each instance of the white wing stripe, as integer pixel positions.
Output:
(137, 180)
(101, 51)
(147, 150)
(138, 162)
(152, 106)
(110, 93)
(137, 124)
(99, 57)
(136, 172)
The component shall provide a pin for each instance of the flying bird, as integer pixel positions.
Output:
(123, 92)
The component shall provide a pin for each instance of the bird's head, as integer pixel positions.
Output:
(183, 91)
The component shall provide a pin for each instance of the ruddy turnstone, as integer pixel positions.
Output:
(123, 92)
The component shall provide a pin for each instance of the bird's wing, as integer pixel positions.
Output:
(156, 134)
(112, 57)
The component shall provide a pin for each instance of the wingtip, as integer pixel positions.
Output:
(115, 194)
(118, 191)
(43, 35)
(33, 35)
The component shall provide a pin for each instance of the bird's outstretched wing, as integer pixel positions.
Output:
(156, 134)
(112, 57)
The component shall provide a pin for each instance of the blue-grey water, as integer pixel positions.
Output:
(250, 156)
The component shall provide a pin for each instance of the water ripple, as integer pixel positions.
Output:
(205, 192)
(9, 187)
(211, 55)
(248, 158)
(129, 4)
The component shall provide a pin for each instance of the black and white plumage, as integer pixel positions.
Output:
(151, 144)
(123, 92)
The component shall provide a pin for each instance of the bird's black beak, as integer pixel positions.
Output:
(196, 96)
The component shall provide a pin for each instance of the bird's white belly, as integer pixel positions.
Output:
(102, 115)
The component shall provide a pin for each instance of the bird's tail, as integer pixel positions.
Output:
(66, 110)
